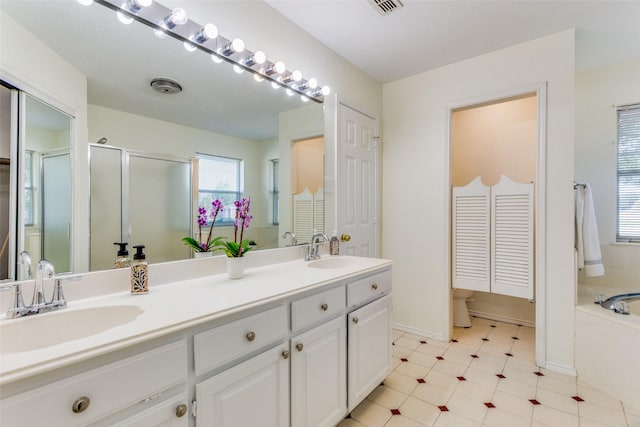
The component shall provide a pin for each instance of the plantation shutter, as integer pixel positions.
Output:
(512, 239)
(471, 228)
(628, 202)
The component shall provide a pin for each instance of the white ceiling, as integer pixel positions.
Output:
(427, 34)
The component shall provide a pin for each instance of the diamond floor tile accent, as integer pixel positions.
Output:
(483, 378)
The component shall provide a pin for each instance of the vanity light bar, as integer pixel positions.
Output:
(176, 24)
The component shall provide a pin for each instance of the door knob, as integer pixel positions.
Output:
(345, 237)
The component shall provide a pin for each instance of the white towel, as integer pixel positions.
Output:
(587, 242)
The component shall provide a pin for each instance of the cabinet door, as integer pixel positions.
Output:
(171, 413)
(318, 376)
(253, 393)
(369, 348)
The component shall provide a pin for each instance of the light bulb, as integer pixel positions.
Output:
(85, 2)
(326, 90)
(280, 67)
(209, 31)
(178, 17)
(296, 76)
(160, 34)
(257, 58)
(304, 98)
(216, 59)
(124, 18)
(134, 6)
(275, 85)
(238, 69)
(189, 47)
(312, 83)
(258, 78)
(236, 46)
(290, 92)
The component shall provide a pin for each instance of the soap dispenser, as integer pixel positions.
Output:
(334, 244)
(139, 272)
(122, 258)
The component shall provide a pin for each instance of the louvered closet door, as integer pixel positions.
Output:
(512, 239)
(471, 236)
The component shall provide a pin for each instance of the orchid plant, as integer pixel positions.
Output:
(210, 244)
(239, 246)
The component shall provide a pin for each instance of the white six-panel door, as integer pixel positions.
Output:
(357, 183)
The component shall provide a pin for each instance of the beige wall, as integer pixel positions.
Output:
(489, 141)
(308, 162)
(597, 92)
(416, 182)
(493, 140)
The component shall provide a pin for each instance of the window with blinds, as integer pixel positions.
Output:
(628, 227)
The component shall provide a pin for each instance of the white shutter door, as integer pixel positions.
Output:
(471, 236)
(512, 239)
(303, 216)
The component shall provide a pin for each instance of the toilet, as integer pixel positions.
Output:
(460, 312)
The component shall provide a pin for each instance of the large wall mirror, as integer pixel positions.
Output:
(218, 113)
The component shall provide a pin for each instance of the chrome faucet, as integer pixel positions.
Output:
(25, 266)
(39, 304)
(294, 240)
(313, 251)
(619, 303)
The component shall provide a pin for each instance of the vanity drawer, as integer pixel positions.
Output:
(315, 308)
(225, 343)
(368, 288)
(87, 397)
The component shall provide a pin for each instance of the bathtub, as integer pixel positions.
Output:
(607, 344)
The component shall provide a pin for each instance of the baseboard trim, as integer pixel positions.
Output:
(416, 331)
(563, 369)
(504, 319)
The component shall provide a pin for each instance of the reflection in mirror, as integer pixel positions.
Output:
(36, 182)
(218, 113)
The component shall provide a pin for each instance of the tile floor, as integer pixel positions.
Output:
(485, 377)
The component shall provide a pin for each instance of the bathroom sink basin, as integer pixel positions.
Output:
(333, 262)
(48, 329)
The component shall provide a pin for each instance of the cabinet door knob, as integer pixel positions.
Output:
(181, 410)
(324, 307)
(80, 405)
(285, 354)
(355, 320)
(345, 237)
(374, 286)
(299, 346)
(251, 336)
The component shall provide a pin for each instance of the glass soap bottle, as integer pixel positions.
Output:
(139, 272)
(334, 244)
(122, 258)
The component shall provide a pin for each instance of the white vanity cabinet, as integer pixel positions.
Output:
(89, 396)
(318, 361)
(253, 393)
(369, 334)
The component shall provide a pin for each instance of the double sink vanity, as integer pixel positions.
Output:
(293, 343)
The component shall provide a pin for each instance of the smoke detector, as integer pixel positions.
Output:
(384, 7)
(168, 86)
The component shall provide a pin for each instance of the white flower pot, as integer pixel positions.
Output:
(202, 254)
(235, 267)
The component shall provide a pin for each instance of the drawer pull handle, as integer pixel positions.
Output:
(251, 336)
(181, 410)
(80, 405)
(285, 354)
(355, 320)
(324, 307)
(299, 346)
(374, 286)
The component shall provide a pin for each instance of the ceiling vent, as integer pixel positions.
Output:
(385, 7)
(163, 85)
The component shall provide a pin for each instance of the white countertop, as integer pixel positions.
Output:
(169, 308)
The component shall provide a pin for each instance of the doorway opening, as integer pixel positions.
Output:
(496, 143)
